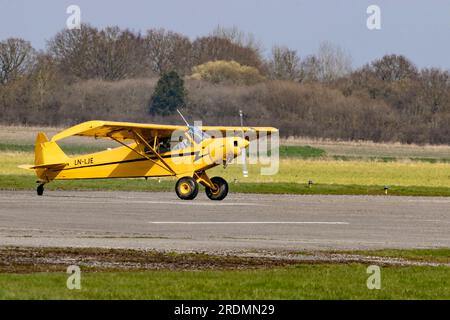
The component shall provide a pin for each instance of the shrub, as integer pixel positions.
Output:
(222, 71)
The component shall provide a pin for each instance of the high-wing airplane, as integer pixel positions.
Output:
(147, 150)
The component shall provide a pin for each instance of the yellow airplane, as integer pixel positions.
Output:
(147, 150)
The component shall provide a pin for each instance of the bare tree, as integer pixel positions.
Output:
(44, 77)
(17, 58)
(329, 64)
(74, 51)
(238, 37)
(216, 48)
(334, 62)
(393, 68)
(167, 51)
(434, 92)
(118, 54)
(109, 54)
(310, 69)
(284, 64)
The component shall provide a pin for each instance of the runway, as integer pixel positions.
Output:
(242, 222)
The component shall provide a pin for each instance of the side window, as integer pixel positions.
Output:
(183, 143)
(162, 146)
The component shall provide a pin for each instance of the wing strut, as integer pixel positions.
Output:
(165, 167)
(154, 152)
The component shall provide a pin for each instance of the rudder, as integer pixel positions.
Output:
(47, 152)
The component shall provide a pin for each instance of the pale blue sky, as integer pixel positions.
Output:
(420, 29)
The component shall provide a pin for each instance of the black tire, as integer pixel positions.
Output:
(186, 188)
(222, 189)
(40, 190)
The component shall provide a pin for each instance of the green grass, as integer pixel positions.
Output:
(336, 189)
(27, 182)
(362, 177)
(296, 282)
(285, 151)
(389, 159)
(70, 149)
(301, 152)
(441, 255)
(308, 152)
(202, 276)
(334, 172)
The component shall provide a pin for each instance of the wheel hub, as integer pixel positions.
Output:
(215, 191)
(185, 188)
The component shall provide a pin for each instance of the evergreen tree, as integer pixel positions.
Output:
(169, 94)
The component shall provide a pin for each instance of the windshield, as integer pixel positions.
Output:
(197, 135)
(182, 145)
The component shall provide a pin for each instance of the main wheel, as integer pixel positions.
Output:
(221, 189)
(40, 190)
(186, 188)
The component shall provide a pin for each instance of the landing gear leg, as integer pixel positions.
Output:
(40, 189)
(216, 188)
(220, 190)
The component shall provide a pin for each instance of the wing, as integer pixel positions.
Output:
(117, 130)
(125, 130)
(251, 132)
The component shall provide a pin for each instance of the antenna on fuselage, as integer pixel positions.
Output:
(182, 117)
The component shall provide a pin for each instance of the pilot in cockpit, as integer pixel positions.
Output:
(164, 146)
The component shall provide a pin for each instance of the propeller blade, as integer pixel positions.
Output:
(244, 162)
(182, 117)
(243, 150)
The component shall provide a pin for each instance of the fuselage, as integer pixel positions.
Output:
(135, 160)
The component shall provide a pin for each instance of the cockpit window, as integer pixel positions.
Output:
(185, 143)
(197, 135)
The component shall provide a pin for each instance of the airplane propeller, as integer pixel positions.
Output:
(243, 150)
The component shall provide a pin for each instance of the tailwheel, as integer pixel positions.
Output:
(220, 191)
(186, 188)
(40, 189)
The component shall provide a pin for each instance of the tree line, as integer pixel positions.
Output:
(112, 74)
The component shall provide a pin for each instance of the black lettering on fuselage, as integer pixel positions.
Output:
(83, 161)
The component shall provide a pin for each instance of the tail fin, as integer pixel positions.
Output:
(48, 153)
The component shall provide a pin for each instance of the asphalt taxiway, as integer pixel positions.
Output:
(161, 221)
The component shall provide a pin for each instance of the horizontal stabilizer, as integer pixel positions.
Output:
(44, 166)
(26, 166)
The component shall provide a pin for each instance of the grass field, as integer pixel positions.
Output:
(441, 255)
(346, 149)
(294, 170)
(367, 149)
(333, 167)
(70, 149)
(328, 176)
(298, 282)
(226, 277)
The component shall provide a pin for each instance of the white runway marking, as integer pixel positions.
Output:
(211, 203)
(125, 201)
(429, 200)
(249, 222)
